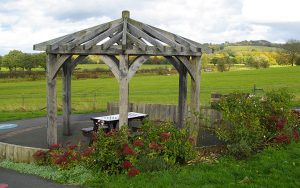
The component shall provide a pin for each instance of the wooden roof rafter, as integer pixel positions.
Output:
(123, 36)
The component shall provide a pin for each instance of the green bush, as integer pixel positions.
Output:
(155, 147)
(297, 60)
(250, 122)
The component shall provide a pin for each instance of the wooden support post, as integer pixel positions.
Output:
(67, 110)
(123, 91)
(182, 95)
(195, 84)
(51, 101)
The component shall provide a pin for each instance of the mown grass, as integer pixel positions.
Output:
(274, 167)
(93, 94)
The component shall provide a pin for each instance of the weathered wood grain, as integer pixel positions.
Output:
(123, 91)
(16, 153)
(110, 61)
(57, 65)
(66, 101)
(51, 101)
(107, 33)
(138, 62)
(182, 95)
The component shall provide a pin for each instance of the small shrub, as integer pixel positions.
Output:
(155, 148)
(250, 123)
(62, 157)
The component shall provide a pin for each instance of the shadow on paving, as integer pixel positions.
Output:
(16, 180)
(33, 132)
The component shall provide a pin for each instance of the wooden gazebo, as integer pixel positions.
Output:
(119, 38)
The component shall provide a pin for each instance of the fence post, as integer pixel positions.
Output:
(23, 101)
(94, 101)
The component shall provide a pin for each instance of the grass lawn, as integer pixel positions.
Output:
(93, 94)
(274, 167)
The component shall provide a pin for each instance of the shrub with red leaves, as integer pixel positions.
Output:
(154, 146)
(138, 143)
(60, 160)
(133, 172)
(128, 150)
(39, 155)
(280, 124)
(282, 138)
(296, 134)
(126, 164)
(54, 147)
(72, 147)
(87, 152)
(164, 136)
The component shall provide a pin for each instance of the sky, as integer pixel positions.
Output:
(27, 22)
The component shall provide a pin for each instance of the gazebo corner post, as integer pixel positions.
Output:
(123, 90)
(66, 102)
(195, 87)
(51, 101)
(182, 95)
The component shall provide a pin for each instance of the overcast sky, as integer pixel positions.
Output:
(27, 22)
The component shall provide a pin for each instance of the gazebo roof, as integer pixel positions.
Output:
(122, 36)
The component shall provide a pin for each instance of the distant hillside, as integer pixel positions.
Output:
(251, 43)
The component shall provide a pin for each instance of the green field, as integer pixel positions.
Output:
(19, 95)
(252, 48)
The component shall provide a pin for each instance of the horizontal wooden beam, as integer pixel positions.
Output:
(117, 49)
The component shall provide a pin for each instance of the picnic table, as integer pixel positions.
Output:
(106, 123)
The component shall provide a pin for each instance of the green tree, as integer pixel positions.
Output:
(292, 47)
(12, 60)
(39, 60)
(28, 61)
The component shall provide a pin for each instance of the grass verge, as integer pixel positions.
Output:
(274, 167)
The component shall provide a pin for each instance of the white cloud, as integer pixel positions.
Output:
(26, 22)
(270, 11)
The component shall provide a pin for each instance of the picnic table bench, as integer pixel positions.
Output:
(110, 122)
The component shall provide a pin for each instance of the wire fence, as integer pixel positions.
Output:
(84, 101)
